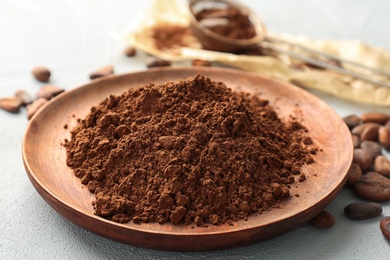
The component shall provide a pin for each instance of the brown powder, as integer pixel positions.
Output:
(187, 152)
(170, 36)
(228, 22)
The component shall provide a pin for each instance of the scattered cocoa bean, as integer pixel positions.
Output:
(35, 106)
(385, 227)
(354, 174)
(203, 63)
(387, 124)
(367, 131)
(10, 104)
(103, 71)
(153, 62)
(384, 137)
(24, 96)
(363, 210)
(323, 220)
(372, 147)
(356, 141)
(374, 187)
(382, 166)
(375, 117)
(41, 73)
(363, 158)
(49, 91)
(352, 121)
(130, 51)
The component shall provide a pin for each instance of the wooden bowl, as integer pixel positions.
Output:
(44, 159)
(216, 42)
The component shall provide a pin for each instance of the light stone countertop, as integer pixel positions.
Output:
(74, 38)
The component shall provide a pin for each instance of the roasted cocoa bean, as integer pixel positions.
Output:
(103, 71)
(363, 210)
(35, 106)
(10, 104)
(24, 96)
(374, 187)
(367, 131)
(375, 117)
(363, 158)
(384, 137)
(153, 62)
(352, 121)
(130, 51)
(356, 141)
(49, 91)
(323, 220)
(382, 165)
(354, 174)
(385, 227)
(41, 73)
(203, 63)
(372, 147)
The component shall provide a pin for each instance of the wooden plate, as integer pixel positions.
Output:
(44, 160)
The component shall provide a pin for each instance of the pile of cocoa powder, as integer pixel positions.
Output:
(190, 151)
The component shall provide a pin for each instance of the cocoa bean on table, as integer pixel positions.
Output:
(354, 174)
(384, 137)
(367, 131)
(324, 220)
(41, 73)
(385, 227)
(372, 147)
(352, 121)
(10, 104)
(24, 96)
(363, 158)
(375, 117)
(101, 72)
(382, 166)
(363, 210)
(374, 187)
(49, 91)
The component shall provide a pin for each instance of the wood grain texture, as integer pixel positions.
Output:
(44, 159)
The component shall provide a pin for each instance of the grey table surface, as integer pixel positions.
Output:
(75, 37)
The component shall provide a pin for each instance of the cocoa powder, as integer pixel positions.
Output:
(170, 36)
(229, 22)
(188, 152)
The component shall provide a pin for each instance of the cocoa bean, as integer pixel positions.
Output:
(103, 71)
(155, 62)
(367, 131)
(356, 141)
(374, 187)
(352, 121)
(372, 147)
(323, 220)
(354, 174)
(382, 166)
(24, 96)
(203, 63)
(363, 210)
(10, 104)
(41, 73)
(35, 106)
(384, 137)
(363, 158)
(375, 117)
(385, 227)
(49, 91)
(130, 51)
